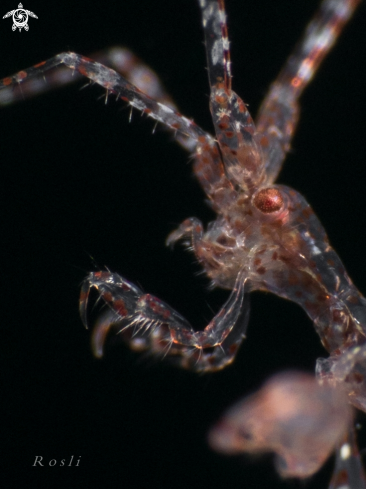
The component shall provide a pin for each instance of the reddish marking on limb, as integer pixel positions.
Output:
(233, 349)
(157, 307)
(107, 296)
(220, 99)
(264, 237)
(83, 70)
(120, 307)
(101, 275)
(264, 142)
(223, 126)
(21, 75)
(7, 81)
(83, 296)
(242, 106)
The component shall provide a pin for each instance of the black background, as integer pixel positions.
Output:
(77, 180)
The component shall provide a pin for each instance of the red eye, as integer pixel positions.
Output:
(268, 200)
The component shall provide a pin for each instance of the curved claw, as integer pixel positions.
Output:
(191, 227)
(107, 283)
(146, 322)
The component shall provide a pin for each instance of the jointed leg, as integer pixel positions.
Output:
(189, 133)
(144, 78)
(122, 60)
(278, 115)
(348, 471)
(235, 130)
(147, 322)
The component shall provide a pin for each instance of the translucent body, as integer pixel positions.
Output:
(266, 236)
(292, 416)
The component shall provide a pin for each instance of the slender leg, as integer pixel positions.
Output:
(348, 470)
(147, 322)
(116, 84)
(279, 113)
(235, 130)
(118, 58)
